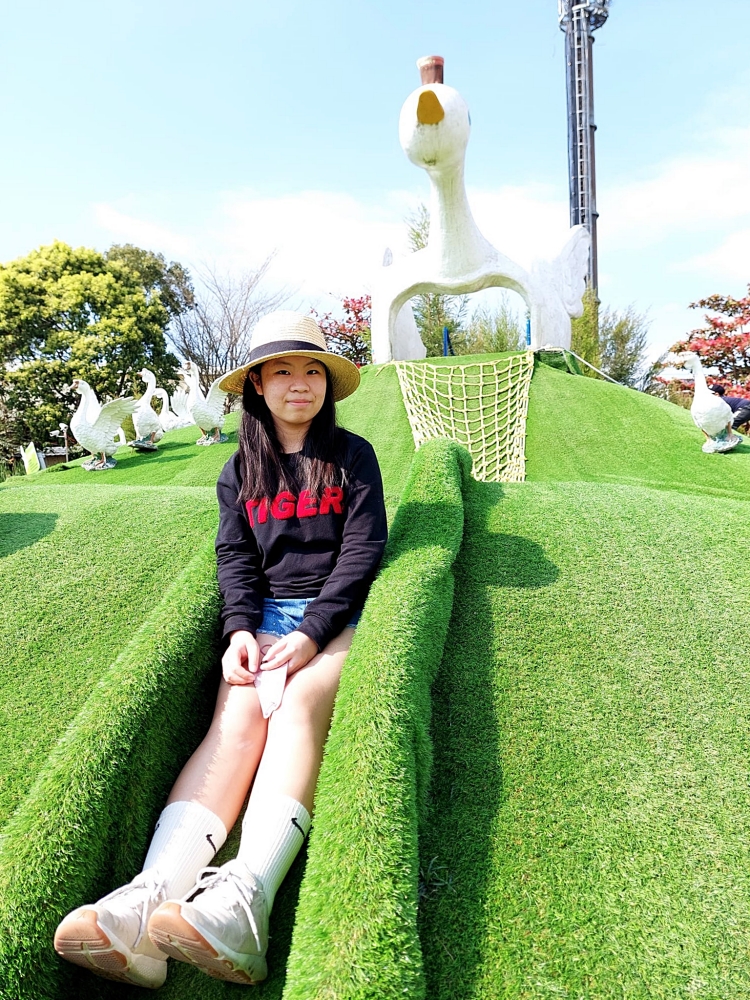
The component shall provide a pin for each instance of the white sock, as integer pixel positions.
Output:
(185, 840)
(273, 830)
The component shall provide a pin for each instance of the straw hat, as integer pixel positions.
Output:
(283, 332)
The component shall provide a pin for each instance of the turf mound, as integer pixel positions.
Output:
(589, 831)
(581, 428)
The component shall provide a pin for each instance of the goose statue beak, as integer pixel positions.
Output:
(429, 109)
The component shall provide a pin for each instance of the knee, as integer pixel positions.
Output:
(299, 709)
(239, 719)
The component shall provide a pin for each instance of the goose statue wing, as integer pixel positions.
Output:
(167, 419)
(216, 397)
(209, 412)
(145, 419)
(111, 417)
(181, 406)
(711, 415)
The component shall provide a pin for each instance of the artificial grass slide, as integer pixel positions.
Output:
(83, 825)
(589, 833)
(356, 934)
(81, 570)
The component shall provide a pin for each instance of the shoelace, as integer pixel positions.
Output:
(156, 889)
(209, 878)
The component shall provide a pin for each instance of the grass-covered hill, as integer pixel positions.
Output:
(564, 816)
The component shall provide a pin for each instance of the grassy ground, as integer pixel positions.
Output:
(589, 834)
(585, 834)
(585, 429)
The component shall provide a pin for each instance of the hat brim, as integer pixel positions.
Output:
(344, 373)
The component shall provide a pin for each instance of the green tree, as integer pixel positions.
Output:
(492, 331)
(68, 313)
(623, 339)
(433, 311)
(585, 332)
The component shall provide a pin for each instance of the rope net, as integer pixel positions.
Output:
(481, 405)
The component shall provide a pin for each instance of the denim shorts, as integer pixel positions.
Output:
(280, 617)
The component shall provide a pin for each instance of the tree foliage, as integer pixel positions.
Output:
(623, 338)
(584, 339)
(213, 330)
(349, 335)
(724, 342)
(76, 313)
(493, 330)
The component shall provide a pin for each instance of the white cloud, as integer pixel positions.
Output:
(729, 261)
(325, 243)
(150, 235)
(702, 193)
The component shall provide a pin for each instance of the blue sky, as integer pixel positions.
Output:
(218, 132)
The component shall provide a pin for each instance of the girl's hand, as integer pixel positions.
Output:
(240, 662)
(295, 649)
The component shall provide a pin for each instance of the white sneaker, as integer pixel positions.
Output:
(109, 937)
(221, 926)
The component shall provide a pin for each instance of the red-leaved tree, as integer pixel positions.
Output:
(349, 335)
(724, 343)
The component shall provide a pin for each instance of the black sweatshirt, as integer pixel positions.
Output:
(296, 545)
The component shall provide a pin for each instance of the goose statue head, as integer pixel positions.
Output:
(434, 128)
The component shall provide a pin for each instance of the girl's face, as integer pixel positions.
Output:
(294, 389)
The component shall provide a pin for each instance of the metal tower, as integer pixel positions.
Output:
(579, 19)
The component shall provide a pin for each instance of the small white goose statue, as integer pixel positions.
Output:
(174, 412)
(206, 411)
(148, 426)
(709, 411)
(95, 426)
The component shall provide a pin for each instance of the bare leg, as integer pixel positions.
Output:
(221, 770)
(298, 729)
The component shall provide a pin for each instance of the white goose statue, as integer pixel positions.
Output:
(709, 411)
(95, 426)
(174, 412)
(206, 411)
(148, 426)
(434, 129)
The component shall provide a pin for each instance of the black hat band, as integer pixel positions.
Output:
(285, 347)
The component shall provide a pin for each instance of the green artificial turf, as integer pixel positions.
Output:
(83, 825)
(584, 835)
(592, 430)
(81, 570)
(589, 834)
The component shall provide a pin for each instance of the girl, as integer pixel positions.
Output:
(302, 530)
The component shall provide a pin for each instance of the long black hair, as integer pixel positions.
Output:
(262, 469)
